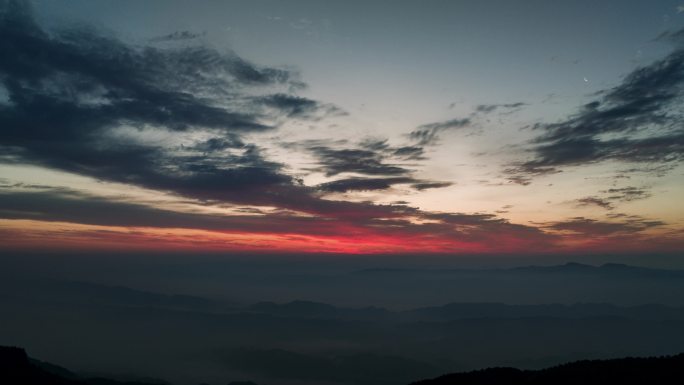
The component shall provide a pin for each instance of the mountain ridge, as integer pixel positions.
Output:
(17, 368)
(625, 371)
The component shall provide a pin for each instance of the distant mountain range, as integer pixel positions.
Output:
(457, 311)
(86, 293)
(91, 326)
(570, 267)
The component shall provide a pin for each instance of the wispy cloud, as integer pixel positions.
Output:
(428, 134)
(178, 36)
(635, 122)
(613, 196)
(595, 201)
(360, 161)
(489, 108)
(592, 228)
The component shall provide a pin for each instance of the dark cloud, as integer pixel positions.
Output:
(487, 228)
(402, 152)
(489, 108)
(370, 156)
(409, 152)
(293, 106)
(627, 194)
(615, 195)
(373, 157)
(444, 230)
(68, 93)
(430, 185)
(523, 174)
(375, 144)
(299, 107)
(362, 184)
(594, 228)
(449, 124)
(669, 36)
(178, 36)
(65, 205)
(359, 161)
(79, 82)
(638, 121)
(595, 201)
(372, 184)
(429, 133)
(658, 170)
(212, 145)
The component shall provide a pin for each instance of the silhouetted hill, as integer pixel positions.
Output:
(54, 369)
(623, 371)
(361, 368)
(16, 368)
(242, 383)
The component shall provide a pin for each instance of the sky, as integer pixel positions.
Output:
(356, 127)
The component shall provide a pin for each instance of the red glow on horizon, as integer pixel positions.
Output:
(55, 236)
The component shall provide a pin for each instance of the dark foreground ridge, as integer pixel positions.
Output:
(16, 368)
(624, 371)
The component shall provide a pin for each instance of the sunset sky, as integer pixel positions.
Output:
(447, 127)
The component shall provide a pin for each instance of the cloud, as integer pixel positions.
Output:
(402, 152)
(390, 227)
(592, 228)
(71, 93)
(613, 195)
(213, 145)
(523, 174)
(299, 107)
(594, 201)
(409, 152)
(673, 37)
(178, 36)
(374, 184)
(362, 184)
(355, 160)
(394, 227)
(43, 203)
(420, 186)
(428, 134)
(638, 121)
(446, 125)
(489, 108)
(370, 156)
(79, 101)
(627, 194)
